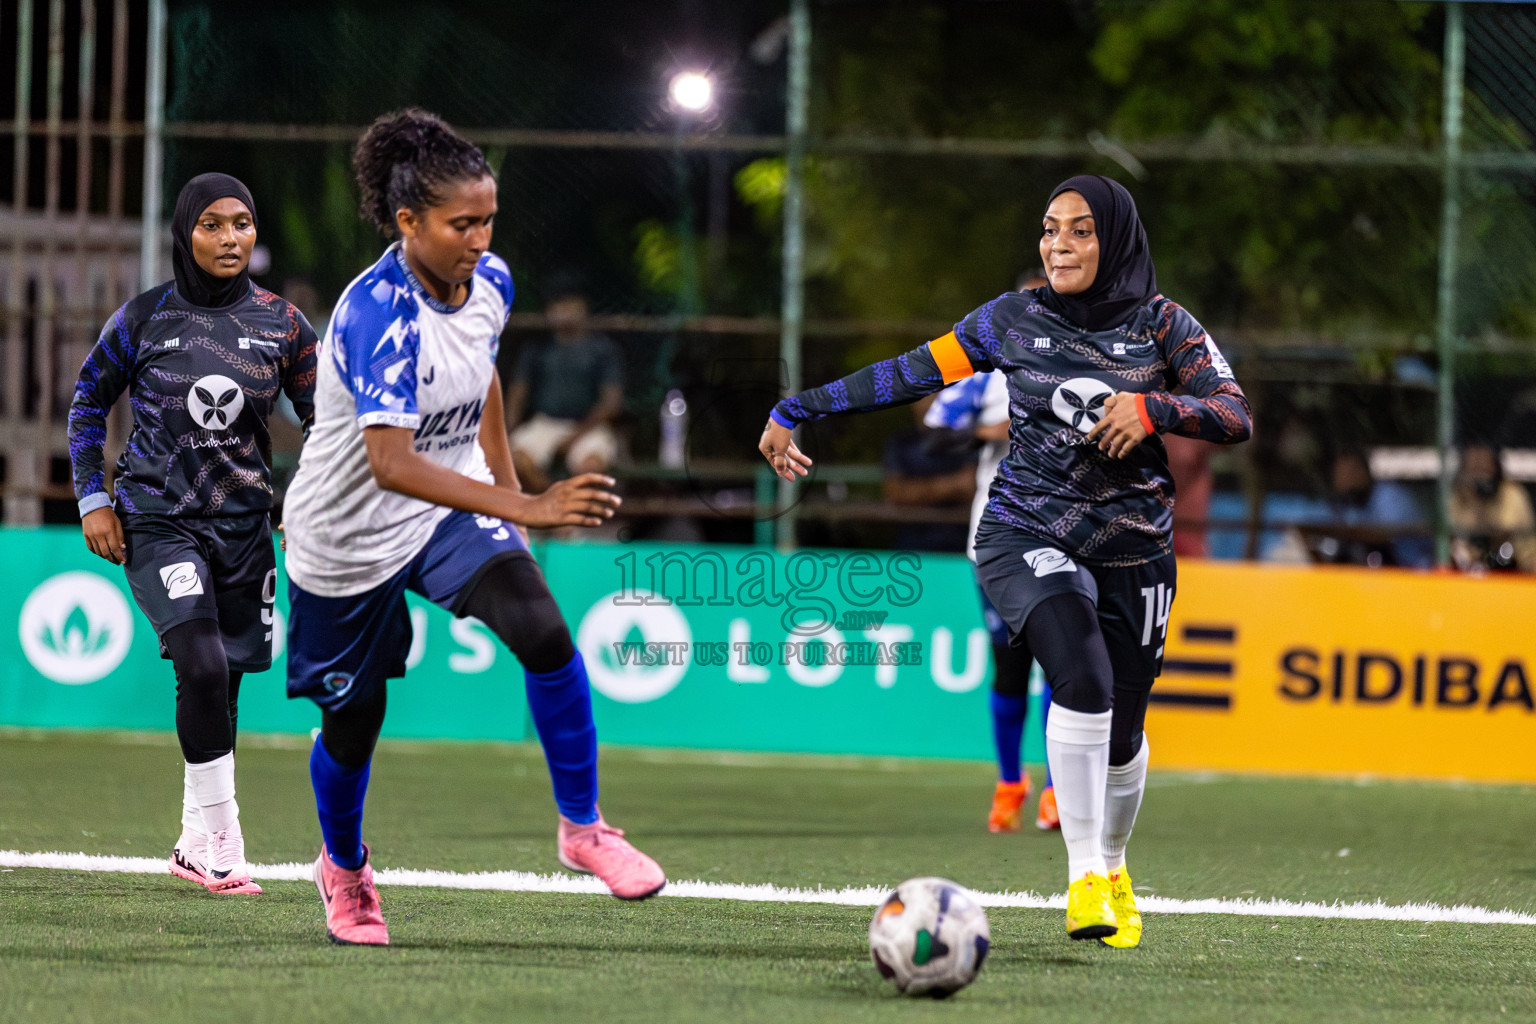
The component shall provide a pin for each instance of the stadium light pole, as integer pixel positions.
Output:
(692, 97)
(792, 315)
(154, 159)
(1445, 320)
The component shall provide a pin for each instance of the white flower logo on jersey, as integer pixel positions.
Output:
(1080, 402)
(215, 401)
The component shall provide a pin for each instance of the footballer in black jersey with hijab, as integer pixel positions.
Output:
(202, 360)
(1075, 546)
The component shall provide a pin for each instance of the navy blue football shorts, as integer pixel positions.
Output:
(340, 648)
(1018, 571)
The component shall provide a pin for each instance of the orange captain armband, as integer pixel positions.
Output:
(952, 361)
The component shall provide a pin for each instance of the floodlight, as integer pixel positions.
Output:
(692, 91)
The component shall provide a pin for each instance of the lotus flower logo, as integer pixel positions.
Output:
(215, 401)
(75, 628)
(609, 628)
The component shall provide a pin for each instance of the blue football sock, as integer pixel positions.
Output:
(561, 705)
(339, 793)
(1008, 731)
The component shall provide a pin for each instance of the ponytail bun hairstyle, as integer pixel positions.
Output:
(409, 158)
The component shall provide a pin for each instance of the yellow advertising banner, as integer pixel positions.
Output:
(1341, 670)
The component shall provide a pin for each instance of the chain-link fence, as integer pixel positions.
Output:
(1343, 193)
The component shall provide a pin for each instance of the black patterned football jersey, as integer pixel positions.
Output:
(1055, 484)
(202, 384)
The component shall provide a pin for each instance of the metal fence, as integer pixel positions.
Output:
(1343, 193)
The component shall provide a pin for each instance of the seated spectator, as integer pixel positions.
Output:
(1491, 519)
(1382, 523)
(571, 387)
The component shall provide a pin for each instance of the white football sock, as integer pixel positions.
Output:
(1077, 747)
(213, 787)
(191, 814)
(1122, 799)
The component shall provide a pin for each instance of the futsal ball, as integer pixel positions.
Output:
(929, 937)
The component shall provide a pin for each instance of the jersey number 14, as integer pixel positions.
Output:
(1159, 602)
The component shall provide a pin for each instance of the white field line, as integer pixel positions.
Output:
(867, 896)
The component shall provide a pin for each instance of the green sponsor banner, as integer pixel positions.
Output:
(736, 648)
(743, 648)
(81, 655)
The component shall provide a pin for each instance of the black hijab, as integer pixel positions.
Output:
(1126, 278)
(193, 283)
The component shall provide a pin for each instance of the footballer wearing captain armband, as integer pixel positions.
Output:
(1075, 548)
(406, 483)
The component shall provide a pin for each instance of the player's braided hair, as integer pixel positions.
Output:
(408, 158)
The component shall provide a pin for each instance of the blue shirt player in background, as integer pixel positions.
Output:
(406, 482)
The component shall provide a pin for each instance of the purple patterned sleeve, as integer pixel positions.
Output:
(103, 377)
(906, 378)
(1214, 407)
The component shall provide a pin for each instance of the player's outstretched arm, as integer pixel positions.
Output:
(898, 381)
(583, 500)
(778, 447)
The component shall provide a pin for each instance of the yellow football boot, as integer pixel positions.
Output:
(1007, 803)
(1089, 915)
(1122, 898)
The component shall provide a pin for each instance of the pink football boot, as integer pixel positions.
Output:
(227, 871)
(351, 901)
(190, 860)
(600, 849)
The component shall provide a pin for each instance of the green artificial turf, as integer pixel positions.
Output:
(104, 947)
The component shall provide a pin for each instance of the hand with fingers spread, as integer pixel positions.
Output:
(778, 447)
(1121, 429)
(583, 500)
(104, 535)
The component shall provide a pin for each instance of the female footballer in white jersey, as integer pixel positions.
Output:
(1075, 546)
(406, 482)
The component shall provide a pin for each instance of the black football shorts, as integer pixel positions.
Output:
(220, 568)
(1018, 571)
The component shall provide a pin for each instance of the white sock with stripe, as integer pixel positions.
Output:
(1077, 747)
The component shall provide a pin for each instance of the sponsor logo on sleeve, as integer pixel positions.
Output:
(1218, 361)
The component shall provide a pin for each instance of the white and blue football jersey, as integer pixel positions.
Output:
(392, 356)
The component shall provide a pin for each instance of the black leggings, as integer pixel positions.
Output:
(513, 600)
(1062, 634)
(207, 692)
